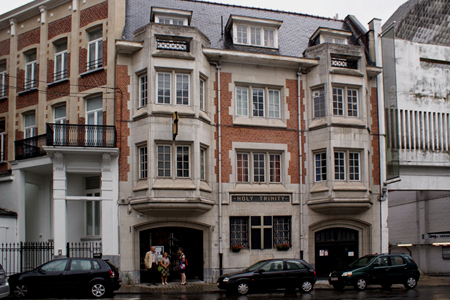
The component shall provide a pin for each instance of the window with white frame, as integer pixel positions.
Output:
(202, 163)
(318, 97)
(320, 168)
(2, 140)
(346, 165)
(3, 86)
(143, 90)
(202, 94)
(143, 162)
(30, 125)
(345, 102)
(260, 171)
(59, 130)
(256, 36)
(170, 21)
(180, 166)
(93, 208)
(30, 70)
(173, 88)
(265, 102)
(60, 61)
(95, 49)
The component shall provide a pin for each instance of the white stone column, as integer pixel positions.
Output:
(59, 205)
(19, 187)
(108, 207)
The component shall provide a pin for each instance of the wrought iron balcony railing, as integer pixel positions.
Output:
(30, 147)
(81, 135)
(344, 63)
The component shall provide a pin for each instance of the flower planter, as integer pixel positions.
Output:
(282, 249)
(235, 250)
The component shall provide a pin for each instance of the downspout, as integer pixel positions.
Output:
(300, 157)
(219, 137)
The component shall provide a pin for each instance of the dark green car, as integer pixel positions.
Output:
(382, 269)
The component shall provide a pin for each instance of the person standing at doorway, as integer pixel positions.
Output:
(165, 272)
(183, 264)
(151, 264)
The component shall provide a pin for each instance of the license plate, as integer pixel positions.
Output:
(334, 279)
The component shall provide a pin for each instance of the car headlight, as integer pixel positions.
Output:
(346, 274)
(226, 279)
(330, 275)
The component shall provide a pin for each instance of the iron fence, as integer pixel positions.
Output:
(30, 147)
(84, 249)
(81, 135)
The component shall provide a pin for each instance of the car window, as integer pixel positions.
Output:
(294, 265)
(382, 261)
(273, 266)
(96, 265)
(55, 265)
(256, 265)
(362, 261)
(397, 261)
(80, 265)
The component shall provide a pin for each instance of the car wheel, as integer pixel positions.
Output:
(306, 286)
(410, 282)
(360, 284)
(20, 291)
(386, 285)
(242, 288)
(338, 287)
(98, 290)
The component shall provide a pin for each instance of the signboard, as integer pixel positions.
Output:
(439, 235)
(159, 251)
(261, 198)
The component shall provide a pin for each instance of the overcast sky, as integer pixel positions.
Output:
(364, 10)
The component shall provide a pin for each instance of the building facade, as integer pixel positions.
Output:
(419, 133)
(248, 128)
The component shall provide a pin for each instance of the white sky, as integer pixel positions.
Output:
(364, 10)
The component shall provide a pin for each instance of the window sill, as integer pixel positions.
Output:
(58, 81)
(3, 98)
(168, 109)
(204, 116)
(319, 187)
(259, 188)
(91, 239)
(318, 123)
(259, 122)
(347, 121)
(204, 186)
(142, 185)
(92, 71)
(349, 186)
(178, 184)
(27, 91)
(349, 72)
(140, 113)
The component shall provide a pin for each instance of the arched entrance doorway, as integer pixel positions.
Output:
(335, 248)
(170, 239)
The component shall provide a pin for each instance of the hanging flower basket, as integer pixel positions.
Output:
(283, 247)
(236, 247)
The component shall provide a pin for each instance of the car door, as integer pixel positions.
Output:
(79, 273)
(380, 270)
(398, 269)
(271, 275)
(295, 272)
(51, 276)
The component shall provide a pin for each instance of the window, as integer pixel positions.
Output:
(261, 232)
(341, 162)
(259, 172)
(60, 134)
(55, 266)
(320, 160)
(181, 164)
(143, 90)
(2, 140)
(281, 230)
(242, 34)
(202, 94)
(202, 163)
(80, 265)
(261, 106)
(339, 102)
(239, 231)
(318, 103)
(273, 266)
(170, 21)
(94, 118)
(259, 36)
(181, 92)
(30, 125)
(95, 49)
(60, 61)
(143, 162)
(93, 210)
(3, 86)
(30, 71)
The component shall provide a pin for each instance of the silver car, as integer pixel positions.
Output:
(4, 286)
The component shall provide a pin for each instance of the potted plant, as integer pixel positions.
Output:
(236, 247)
(283, 246)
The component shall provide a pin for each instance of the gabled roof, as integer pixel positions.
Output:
(210, 18)
(422, 21)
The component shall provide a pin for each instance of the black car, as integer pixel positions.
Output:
(383, 269)
(4, 287)
(93, 276)
(271, 274)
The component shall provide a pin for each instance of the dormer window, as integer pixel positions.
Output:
(171, 16)
(254, 32)
(330, 36)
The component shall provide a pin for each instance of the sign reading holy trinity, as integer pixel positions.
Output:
(261, 198)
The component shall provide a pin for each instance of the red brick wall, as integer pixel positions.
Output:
(375, 138)
(60, 26)
(92, 80)
(29, 38)
(232, 133)
(123, 113)
(5, 47)
(58, 90)
(28, 98)
(4, 105)
(4, 167)
(94, 13)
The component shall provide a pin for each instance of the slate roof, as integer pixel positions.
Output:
(294, 33)
(423, 21)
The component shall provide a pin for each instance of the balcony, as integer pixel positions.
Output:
(66, 135)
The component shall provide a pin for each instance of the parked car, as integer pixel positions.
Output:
(383, 269)
(4, 286)
(93, 276)
(270, 274)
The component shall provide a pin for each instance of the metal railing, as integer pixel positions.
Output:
(30, 147)
(84, 249)
(94, 64)
(81, 135)
(60, 75)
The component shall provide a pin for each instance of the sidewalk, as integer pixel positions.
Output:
(200, 286)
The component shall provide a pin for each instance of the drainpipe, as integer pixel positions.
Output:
(300, 157)
(219, 137)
